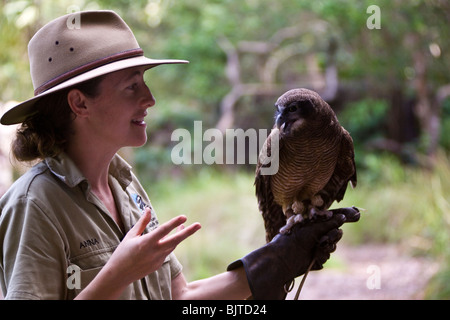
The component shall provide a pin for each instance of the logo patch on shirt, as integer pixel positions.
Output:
(142, 206)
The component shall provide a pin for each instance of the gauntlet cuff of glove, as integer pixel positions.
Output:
(266, 274)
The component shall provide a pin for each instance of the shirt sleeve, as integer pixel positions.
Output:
(33, 259)
(175, 266)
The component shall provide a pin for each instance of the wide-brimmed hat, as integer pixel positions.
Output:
(75, 48)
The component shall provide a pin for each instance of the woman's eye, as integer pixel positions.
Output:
(133, 86)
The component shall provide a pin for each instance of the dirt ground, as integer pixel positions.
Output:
(382, 272)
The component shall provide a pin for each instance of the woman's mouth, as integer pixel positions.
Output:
(139, 122)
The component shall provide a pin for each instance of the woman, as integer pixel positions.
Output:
(79, 224)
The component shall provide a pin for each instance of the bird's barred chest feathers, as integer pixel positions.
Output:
(310, 172)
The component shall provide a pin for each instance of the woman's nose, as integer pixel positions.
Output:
(149, 100)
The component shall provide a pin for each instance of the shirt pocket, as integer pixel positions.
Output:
(84, 268)
(79, 279)
(93, 259)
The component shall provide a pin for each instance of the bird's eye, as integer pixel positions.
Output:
(292, 108)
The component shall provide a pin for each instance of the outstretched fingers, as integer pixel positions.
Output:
(161, 234)
(182, 233)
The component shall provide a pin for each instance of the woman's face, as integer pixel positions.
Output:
(117, 113)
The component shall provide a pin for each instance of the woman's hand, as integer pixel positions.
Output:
(137, 256)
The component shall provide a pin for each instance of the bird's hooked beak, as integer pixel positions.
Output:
(280, 119)
(284, 124)
(280, 122)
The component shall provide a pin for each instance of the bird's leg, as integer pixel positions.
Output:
(288, 211)
(298, 207)
(290, 215)
(293, 214)
(316, 203)
(297, 218)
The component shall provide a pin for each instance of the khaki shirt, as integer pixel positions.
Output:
(56, 235)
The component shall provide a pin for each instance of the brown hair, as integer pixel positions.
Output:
(46, 133)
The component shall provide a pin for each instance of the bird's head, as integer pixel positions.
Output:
(300, 108)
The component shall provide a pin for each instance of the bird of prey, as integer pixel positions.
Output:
(316, 162)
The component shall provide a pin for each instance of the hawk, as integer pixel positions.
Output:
(316, 162)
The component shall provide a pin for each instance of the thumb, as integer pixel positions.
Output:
(140, 225)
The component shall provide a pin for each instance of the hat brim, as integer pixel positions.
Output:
(23, 110)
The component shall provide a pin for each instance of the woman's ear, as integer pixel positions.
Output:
(78, 102)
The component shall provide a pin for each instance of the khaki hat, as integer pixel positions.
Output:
(64, 53)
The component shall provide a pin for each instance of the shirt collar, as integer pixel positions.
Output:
(121, 170)
(65, 169)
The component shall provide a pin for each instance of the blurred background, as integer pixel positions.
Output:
(383, 69)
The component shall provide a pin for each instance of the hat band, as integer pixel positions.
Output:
(84, 68)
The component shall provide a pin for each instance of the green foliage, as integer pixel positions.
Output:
(439, 286)
(407, 205)
(14, 70)
(364, 119)
(445, 125)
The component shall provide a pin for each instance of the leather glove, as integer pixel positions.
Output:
(288, 256)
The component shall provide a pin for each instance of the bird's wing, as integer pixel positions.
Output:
(344, 172)
(271, 211)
